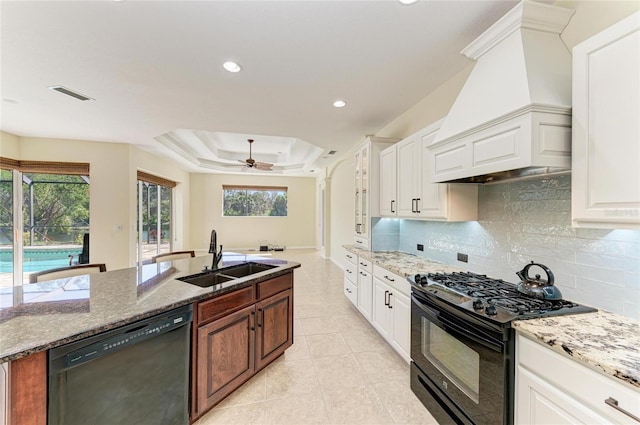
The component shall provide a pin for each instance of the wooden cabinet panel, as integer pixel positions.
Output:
(225, 356)
(274, 327)
(224, 304)
(229, 350)
(275, 285)
(28, 390)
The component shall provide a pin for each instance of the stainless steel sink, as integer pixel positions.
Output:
(215, 277)
(246, 269)
(206, 279)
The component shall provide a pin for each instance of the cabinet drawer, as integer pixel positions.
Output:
(350, 258)
(578, 381)
(224, 304)
(361, 242)
(365, 265)
(394, 280)
(275, 285)
(351, 273)
(351, 291)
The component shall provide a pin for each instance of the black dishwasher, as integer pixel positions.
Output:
(137, 374)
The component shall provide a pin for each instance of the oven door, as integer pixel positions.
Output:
(460, 366)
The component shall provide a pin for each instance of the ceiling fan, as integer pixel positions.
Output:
(252, 163)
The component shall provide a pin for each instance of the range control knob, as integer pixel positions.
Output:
(477, 304)
(491, 310)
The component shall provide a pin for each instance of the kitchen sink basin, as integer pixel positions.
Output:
(206, 279)
(245, 269)
(215, 277)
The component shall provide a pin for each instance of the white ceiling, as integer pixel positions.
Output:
(155, 71)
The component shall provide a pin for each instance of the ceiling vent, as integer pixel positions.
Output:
(69, 92)
(332, 152)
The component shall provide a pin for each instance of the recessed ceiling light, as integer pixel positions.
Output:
(407, 2)
(339, 103)
(231, 66)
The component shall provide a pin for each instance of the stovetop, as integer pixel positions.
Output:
(493, 299)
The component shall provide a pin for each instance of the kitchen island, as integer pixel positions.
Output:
(37, 317)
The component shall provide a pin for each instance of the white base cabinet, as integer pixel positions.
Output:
(392, 310)
(553, 389)
(365, 287)
(351, 277)
(605, 179)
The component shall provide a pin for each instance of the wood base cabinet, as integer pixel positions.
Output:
(27, 392)
(237, 335)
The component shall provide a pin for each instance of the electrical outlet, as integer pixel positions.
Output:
(463, 257)
(420, 247)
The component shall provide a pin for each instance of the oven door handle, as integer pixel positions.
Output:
(451, 327)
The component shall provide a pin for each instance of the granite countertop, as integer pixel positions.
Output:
(40, 316)
(604, 341)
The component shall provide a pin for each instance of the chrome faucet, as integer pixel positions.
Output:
(217, 255)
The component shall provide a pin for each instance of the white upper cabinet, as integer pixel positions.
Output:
(388, 190)
(606, 128)
(406, 188)
(367, 187)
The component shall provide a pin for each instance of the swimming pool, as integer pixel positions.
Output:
(39, 258)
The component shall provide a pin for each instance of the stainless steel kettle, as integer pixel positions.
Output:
(538, 287)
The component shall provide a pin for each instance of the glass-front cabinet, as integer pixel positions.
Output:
(367, 182)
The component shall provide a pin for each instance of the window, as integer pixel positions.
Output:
(252, 201)
(49, 201)
(154, 216)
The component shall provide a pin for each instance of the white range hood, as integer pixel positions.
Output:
(513, 115)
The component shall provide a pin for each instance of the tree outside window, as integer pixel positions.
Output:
(254, 201)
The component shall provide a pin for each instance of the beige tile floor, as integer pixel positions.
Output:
(339, 370)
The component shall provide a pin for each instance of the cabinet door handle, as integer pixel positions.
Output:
(614, 403)
(385, 298)
(253, 320)
(417, 207)
(392, 210)
(259, 315)
(363, 274)
(389, 279)
(349, 256)
(348, 290)
(390, 294)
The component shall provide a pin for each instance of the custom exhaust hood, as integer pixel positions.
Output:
(512, 117)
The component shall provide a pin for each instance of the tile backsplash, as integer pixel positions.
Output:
(530, 220)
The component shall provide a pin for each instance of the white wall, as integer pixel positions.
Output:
(297, 230)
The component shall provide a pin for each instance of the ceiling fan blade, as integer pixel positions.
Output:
(263, 166)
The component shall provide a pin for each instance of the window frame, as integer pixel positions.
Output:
(226, 187)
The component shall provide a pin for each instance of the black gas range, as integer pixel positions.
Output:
(463, 345)
(491, 299)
